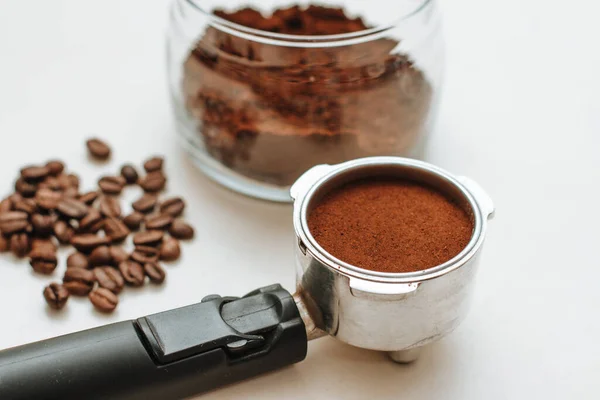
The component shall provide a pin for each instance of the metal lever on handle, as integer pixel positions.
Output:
(168, 355)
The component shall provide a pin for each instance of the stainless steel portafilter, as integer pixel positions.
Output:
(221, 340)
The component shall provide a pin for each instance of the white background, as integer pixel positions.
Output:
(520, 115)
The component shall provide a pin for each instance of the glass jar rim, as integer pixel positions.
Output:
(273, 38)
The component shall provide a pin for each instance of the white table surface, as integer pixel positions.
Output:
(520, 115)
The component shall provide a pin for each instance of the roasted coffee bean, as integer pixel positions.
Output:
(87, 242)
(92, 218)
(153, 182)
(43, 260)
(129, 173)
(24, 188)
(56, 295)
(4, 244)
(173, 206)
(26, 205)
(73, 181)
(100, 256)
(158, 222)
(47, 199)
(145, 254)
(34, 173)
(145, 204)
(104, 300)
(180, 230)
(52, 183)
(132, 272)
(43, 225)
(89, 198)
(79, 281)
(77, 260)
(118, 254)
(70, 193)
(148, 238)
(6, 205)
(55, 167)
(67, 181)
(153, 164)
(20, 244)
(133, 220)
(109, 278)
(63, 232)
(97, 227)
(13, 221)
(71, 208)
(111, 184)
(46, 244)
(155, 272)
(115, 229)
(110, 207)
(170, 249)
(98, 149)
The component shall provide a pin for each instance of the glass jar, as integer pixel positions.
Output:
(260, 97)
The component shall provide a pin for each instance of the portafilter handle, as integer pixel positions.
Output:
(169, 355)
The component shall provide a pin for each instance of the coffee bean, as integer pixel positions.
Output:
(56, 295)
(87, 242)
(173, 206)
(43, 225)
(170, 249)
(133, 220)
(92, 218)
(115, 229)
(100, 256)
(13, 221)
(118, 254)
(148, 238)
(97, 227)
(98, 149)
(67, 181)
(158, 222)
(63, 232)
(111, 184)
(4, 244)
(71, 208)
(89, 198)
(129, 173)
(34, 173)
(52, 183)
(180, 230)
(104, 300)
(153, 182)
(79, 281)
(55, 167)
(70, 193)
(110, 207)
(145, 204)
(155, 272)
(6, 205)
(24, 188)
(153, 164)
(20, 244)
(73, 181)
(132, 272)
(77, 260)
(109, 278)
(26, 205)
(46, 244)
(47, 199)
(145, 254)
(43, 260)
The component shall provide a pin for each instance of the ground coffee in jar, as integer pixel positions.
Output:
(390, 225)
(270, 112)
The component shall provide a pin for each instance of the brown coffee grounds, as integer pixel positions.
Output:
(271, 112)
(390, 226)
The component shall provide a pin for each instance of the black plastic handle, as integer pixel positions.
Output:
(168, 355)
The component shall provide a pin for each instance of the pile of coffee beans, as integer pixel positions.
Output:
(47, 210)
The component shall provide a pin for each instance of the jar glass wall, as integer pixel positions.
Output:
(262, 95)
